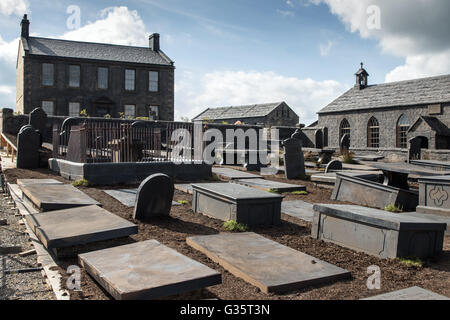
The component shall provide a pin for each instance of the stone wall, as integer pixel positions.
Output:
(88, 93)
(387, 119)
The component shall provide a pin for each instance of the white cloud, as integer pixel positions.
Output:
(326, 48)
(414, 29)
(224, 88)
(17, 7)
(117, 25)
(8, 50)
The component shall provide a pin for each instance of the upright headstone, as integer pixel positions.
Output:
(38, 120)
(28, 144)
(294, 161)
(345, 143)
(333, 166)
(154, 197)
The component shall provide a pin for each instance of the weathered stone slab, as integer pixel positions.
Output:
(25, 182)
(147, 270)
(231, 201)
(429, 215)
(270, 186)
(78, 226)
(413, 293)
(56, 197)
(376, 232)
(128, 196)
(434, 195)
(184, 187)
(368, 157)
(372, 194)
(231, 174)
(154, 197)
(434, 164)
(298, 209)
(330, 178)
(359, 167)
(264, 263)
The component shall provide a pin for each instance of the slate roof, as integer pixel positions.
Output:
(404, 93)
(94, 51)
(238, 112)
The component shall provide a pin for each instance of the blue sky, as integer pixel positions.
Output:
(249, 51)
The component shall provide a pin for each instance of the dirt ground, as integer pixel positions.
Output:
(434, 274)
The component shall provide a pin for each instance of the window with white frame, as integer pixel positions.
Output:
(130, 77)
(153, 81)
(154, 112)
(48, 74)
(74, 109)
(130, 111)
(74, 76)
(102, 78)
(48, 107)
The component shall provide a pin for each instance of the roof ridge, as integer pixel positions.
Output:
(89, 42)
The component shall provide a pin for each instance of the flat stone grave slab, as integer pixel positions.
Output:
(372, 194)
(360, 167)
(230, 174)
(128, 197)
(78, 226)
(56, 197)
(266, 264)
(231, 201)
(26, 182)
(298, 209)
(368, 157)
(270, 186)
(413, 293)
(434, 195)
(431, 217)
(330, 177)
(435, 164)
(147, 270)
(376, 232)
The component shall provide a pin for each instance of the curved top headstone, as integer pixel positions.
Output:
(154, 197)
(38, 119)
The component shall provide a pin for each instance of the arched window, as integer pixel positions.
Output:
(402, 132)
(344, 128)
(373, 133)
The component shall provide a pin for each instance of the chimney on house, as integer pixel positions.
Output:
(25, 26)
(361, 78)
(154, 41)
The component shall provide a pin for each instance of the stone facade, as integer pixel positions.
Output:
(97, 102)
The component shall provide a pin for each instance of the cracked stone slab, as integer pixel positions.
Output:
(264, 263)
(147, 270)
(128, 197)
(56, 197)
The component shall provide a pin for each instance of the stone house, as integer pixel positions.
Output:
(64, 77)
(384, 118)
(267, 115)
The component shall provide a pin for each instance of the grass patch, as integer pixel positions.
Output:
(273, 190)
(348, 158)
(234, 226)
(80, 183)
(299, 193)
(183, 202)
(411, 262)
(394, 208)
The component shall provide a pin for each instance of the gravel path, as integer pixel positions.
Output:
(18, 286)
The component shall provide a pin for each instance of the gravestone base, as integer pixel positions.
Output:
(379, 233)
(434, 195)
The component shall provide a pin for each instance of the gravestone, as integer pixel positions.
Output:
(269, 186)
(377, 232)
(372, 194)
(325, 156)
(231, 174)
(154, 197)
(77, 227)
(128, 196)
(345, 143)
(38, 120)
(413, 293)
(28, 144)
(294, 162)
(333, 166)
(266, 264)
(76, 150)
(231, 201)
(434, 195)
(298, 209)
(146, 270)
